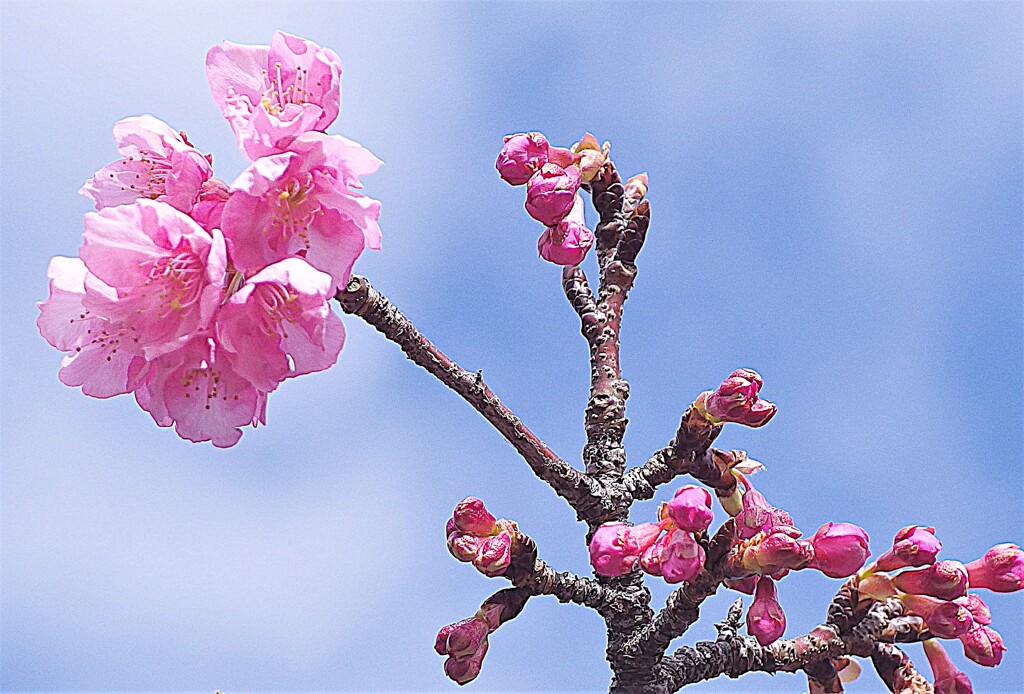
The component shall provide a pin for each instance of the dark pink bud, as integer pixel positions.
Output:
(742, 585)
(471, 517)
(494, 555)
(765, 620)
(945, 579)
(1000, 570)
(913, 546)
(840, 549)
(567, 242)
(522, 156)
(737, 400)
(984, 646)
(551, 192)
(977, 607)
(690, 509)
(464, 547)
(682, 558)
(948, 679)
(757, 515)
(946, 620)
(461, 639)
(778, 551)
(614, 550)
(450, 527)
(466, 670)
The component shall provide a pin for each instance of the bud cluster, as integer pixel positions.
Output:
(465, 643)
(737, 400)
(553, 177)
(476, 537)
(938, 594)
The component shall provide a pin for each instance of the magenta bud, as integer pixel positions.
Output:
(1000, 570)
(551, 192)
(470, 516)
(568, 242)
(913, 546)
(742, 585)
(616, 547)
(946, 620)
(462, 638)
(946, 580)
(737, 400)
(450, 527)
(984, 646)
(948, 679)
(840, 549)
(757, 515)
(765, 620)
(681, 558)
(690, 509)
(464, 547)
(977, 607)
(778, 551)
(522, 156)
(494, 555)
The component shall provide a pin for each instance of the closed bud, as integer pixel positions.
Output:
(914, 546)
(592, 157)
(464, 547)
(494, 555)
(470, 516)
(466, 670)
(690, 509)
(737, 400)
(551, 193)
(945, 619)
(463, 638)
(945, 579)
(757, 515)
(840, 549)
(765, 619)
(977, 607)
(779, 551)
(947, 678)
(681, 558)
(742, 585)
(984, 646)
(522, 156)
(1000, 570)
(568, 242)
(616, 547)
(636, 187)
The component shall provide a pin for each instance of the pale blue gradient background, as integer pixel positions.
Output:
(836, 194)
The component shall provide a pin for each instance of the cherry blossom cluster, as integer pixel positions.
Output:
(938, 593)
(201, 297)
(476, 537)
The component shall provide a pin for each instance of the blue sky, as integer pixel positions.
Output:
(837, 203)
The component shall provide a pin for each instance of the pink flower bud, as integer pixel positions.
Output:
(466, 670)
(946, 620)
(470, 516)
(615, 547)
(840, 549)
(913, 546)
(1000, 570)
(737, 400)
(690, 509)
(778, 551)
(765, 620)
(450, 527)
(494, 555)
(592, 156)
(681, 557)
(742, 585)
(758, 516)
(984, 646)
(948, 679)
(945, 579)
(977, 607)
(461, 639)
(551, 192)
(464, 547)
(560, 156)
(567, 242)
(521, 157)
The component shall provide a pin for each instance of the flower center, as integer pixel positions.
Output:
(277, 306)
(294, 209)
(283, 89)
(177, 280)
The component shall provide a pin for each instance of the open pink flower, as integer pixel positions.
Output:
(302, 203)
(272, 94)
(196, 389)
(103, 357)
(158, 164)
(167, 273)
(280, 325)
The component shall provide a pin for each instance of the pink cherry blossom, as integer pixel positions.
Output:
(977, 607)
(302, 203)
(280, 325)
(779, 550)
(465, 644)
(568, 242)
(158, 164)
(198, 392)
(840, 549)
(273, 94)
(103, 357)
(765, 619)
(470, 516)
(616, 547)
(681, 558)
(947, 620)
(494, 555)
(166, 271)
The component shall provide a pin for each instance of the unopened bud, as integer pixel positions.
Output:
(522, 156)
(737, 400)
(984, 646)
(840, 549)
(914, 546)
(765, 619)
(592, 157)
(946, 620)
(1000, 570)
(690, 509)
(977, 607)
(470, 516)
(568, 242)
(948, 679)
(494, 555)
(636, 187)
(946, 580)
(616, 547)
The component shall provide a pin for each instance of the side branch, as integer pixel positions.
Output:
(361, 299)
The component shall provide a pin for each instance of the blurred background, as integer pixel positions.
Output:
(837, 203)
